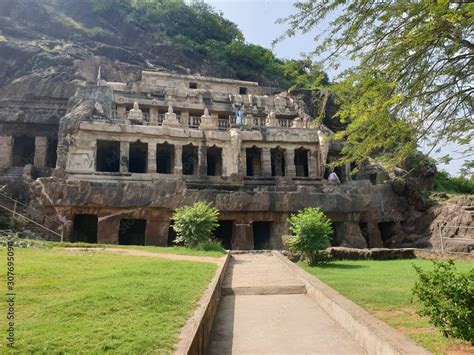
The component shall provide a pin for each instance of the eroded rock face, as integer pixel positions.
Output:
(454, 224)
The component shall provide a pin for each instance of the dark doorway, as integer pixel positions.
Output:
(214, 161)
(138, 156)
(171, 237)
(23, 151)
(261, 235)
(223, 233)
(278, 161)
(387, 231)
(190, 159)
(254, 161)
(165, 158)
(108, 156)
(51, 152)
(85, 228)
(301, 162)
(132, 232)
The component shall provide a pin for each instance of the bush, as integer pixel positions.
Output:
(211, 245)
(195, 224)
(447, 298)
(20, 242)
(311, 231)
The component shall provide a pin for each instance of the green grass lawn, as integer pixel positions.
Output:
(92, 302)
(384, 289)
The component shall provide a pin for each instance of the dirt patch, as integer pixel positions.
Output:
(134, 252)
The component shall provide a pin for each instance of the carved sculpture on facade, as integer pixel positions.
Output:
(271, 120)
(135, 114)
(208, 121)
(170, 118)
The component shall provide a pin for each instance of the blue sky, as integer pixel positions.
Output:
(256, 19)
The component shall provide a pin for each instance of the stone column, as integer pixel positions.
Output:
(154, 116)
(202, 160)
(243, 236)
(290, 162)
(243, 162)
(151, 164)
(184, 118)
(41, 144)
(124, 156)
(266, 162)
(108, 230)
(6, 151)
(178, 159)
(313, 170)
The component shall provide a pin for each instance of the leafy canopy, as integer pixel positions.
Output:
(194, 224)
(197, 26)
(412, 80)
(311, 233)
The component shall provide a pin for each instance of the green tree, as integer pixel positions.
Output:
(412, 77)
(311, 234)
(194, 224)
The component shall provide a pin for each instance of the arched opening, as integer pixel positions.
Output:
(301, 162)
(214, 161)
(164, 158)
(254, 161)
(138, 156)
(190, 160)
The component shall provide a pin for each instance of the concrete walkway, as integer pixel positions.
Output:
(265, 311)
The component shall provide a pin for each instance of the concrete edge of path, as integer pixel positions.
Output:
(373, 335)
(195, 334)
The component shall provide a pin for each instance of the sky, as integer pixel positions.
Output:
(256, 19)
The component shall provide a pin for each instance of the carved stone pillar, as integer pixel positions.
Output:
(151, 165)
(202, 160)
(124, 156)
(290, 162)
(41, 144)
(313, 169)
(6, 151)
(121, 112)
(154, 116)
(243, 236)
(266, 162)
(243, 162)
(184, 118)
(178, 159)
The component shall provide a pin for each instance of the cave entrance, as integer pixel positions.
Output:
(85, 228)
(214, 161)
(301, 162)
(51, 152)
(190, 159)
(171, 237)
(138, 156)
(132, 231)
(254, 161)
(165, 158)
(224, 232)
(108, 156)
(23, 151)
(278, 161)
(261, 235)
(387, 230)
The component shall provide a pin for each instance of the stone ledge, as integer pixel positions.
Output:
(195, 334)
(371, 334)
(264, 290)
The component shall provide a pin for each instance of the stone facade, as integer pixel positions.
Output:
(129, 154)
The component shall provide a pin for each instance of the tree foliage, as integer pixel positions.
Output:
(197, 26)
(194, 224)
(412, 78)
(447, 297)
(459, 185)
(311, 233)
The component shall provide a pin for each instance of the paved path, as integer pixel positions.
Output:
(265, 311)
(136, 252)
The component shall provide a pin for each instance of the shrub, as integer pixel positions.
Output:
(195, 224)
(311, 231)
(446, 296)
(20, 242)
(211, 245)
